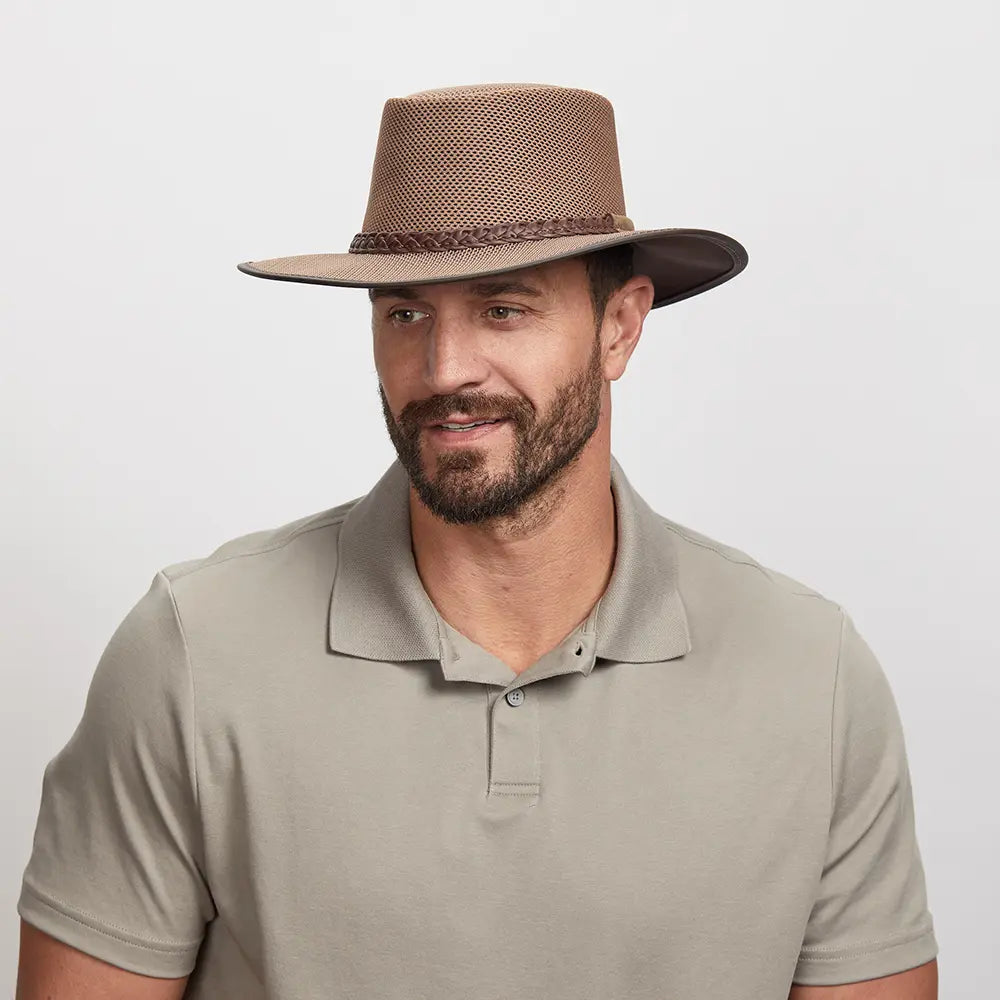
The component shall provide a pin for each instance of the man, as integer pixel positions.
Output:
(496, 728)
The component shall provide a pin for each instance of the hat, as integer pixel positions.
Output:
(481, 179)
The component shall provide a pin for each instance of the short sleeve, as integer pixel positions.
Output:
(116, 868)
(870, 916)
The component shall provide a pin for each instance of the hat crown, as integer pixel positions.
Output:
(493, 154)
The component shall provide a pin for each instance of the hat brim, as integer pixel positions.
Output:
(680, 262)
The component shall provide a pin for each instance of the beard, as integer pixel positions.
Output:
(461, 488)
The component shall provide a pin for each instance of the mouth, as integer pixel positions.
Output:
(453, 433)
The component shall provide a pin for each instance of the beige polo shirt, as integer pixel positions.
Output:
(294, 780)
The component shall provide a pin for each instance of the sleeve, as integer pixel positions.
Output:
(870, 915)
(117, 868)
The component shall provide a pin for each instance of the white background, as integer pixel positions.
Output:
(833, 411)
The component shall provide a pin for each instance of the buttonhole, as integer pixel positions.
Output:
(579, 650)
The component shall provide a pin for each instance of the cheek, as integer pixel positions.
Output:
(392, 367)
(535, 370)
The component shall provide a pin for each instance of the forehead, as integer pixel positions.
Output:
(540, 281)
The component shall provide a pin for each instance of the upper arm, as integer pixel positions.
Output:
(48, 969)
(117, 868)
(920, 983)
(869, 919)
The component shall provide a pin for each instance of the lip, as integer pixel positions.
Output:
(444, 436)
(460, 419)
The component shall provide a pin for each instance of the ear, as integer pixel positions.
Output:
(626, 311)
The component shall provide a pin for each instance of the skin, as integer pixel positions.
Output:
(50, 970)
(920, 983)
(514, 534)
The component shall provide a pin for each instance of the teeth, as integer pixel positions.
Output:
(465, 427)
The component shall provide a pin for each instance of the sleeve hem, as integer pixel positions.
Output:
(165, 960)
(843, 966)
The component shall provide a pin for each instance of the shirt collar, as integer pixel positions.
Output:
(379, 609)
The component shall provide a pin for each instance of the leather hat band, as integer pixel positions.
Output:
(483, 236)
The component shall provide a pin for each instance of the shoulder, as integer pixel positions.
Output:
(252, 552)
(736, 601)
(248, 582)
(702, 553)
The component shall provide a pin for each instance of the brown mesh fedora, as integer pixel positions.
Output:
(487, 178)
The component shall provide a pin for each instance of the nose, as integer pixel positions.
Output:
(453, 358)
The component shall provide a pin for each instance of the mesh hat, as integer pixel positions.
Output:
(482, 179)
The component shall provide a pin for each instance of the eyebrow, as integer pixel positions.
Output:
(482, 289)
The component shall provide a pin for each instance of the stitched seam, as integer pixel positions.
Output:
(258, 552)
(833, 707)
(194, 706)
(440, 634)
(539, 769)
(95, 923)
(848, 953)
(738, 562)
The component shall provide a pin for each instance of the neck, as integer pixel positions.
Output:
(518, 587)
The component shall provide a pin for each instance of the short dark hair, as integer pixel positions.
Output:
(608, 269)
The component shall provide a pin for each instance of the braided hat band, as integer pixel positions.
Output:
(484, 236)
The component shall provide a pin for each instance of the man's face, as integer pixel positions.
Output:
(523, 347)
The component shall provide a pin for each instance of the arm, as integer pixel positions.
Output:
(50, 970)
(920, 983)
(117, 868)
(870, 933)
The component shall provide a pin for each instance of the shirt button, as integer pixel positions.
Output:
(515, 697)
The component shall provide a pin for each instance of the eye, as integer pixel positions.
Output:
(505, 309)
(405, 315)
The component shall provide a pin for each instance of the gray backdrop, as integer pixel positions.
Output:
(832, 411)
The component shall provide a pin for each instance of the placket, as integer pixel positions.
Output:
(515, 718)
(514, 714)
(515, 744)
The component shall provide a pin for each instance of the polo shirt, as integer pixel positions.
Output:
(294, 779)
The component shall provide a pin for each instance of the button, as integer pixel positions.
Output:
(515, 697)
